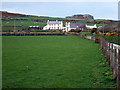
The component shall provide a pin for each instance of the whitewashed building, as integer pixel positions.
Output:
(58, 25)
(91, 27)
(70, 26)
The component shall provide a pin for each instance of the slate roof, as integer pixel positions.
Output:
(75, 25)
(54, 22)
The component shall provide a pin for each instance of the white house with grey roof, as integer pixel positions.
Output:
(53, 25)
(70, 26)
(58, 25)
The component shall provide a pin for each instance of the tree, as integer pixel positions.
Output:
(94, 30)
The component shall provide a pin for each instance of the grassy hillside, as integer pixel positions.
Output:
(25, 21)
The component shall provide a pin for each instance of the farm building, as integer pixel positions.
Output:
(91, 27)
(34, 27)
(59, 26)
(70, 26)
(53, 25)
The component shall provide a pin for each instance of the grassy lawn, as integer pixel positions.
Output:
(54, 62)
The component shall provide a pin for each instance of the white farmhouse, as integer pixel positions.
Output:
(53, 25)
(91, 27)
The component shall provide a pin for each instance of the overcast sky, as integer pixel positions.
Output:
(100, 10)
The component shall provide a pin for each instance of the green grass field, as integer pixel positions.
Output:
(54, 62)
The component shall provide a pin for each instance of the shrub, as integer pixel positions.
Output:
(93, 30)
(76, 30)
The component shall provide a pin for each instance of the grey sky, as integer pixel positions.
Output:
(100, 10)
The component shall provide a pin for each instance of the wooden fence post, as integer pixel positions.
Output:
(111, 57)
(101, 43)
(106, 50)
(115, 64)
(109, 53)
(118, 79)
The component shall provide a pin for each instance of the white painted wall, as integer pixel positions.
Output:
(91, 27)
(53, 26)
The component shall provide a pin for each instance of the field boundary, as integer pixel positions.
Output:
(29, 34)
(112, 53)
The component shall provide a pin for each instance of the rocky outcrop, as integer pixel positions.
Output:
(8, 14)
(81, 16)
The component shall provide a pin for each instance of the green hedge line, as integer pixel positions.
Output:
(31, 34)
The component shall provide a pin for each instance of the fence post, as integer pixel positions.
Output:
(115, 64)
(111, 57)
(118, 79)
(109, 53)
(101, 43)
(106, 50)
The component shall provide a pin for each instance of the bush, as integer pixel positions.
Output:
(75, 30)
(94, 30)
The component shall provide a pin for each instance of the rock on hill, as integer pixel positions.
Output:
(8, 14)
(81, 16)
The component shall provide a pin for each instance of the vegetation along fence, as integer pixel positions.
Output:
(112, 53)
